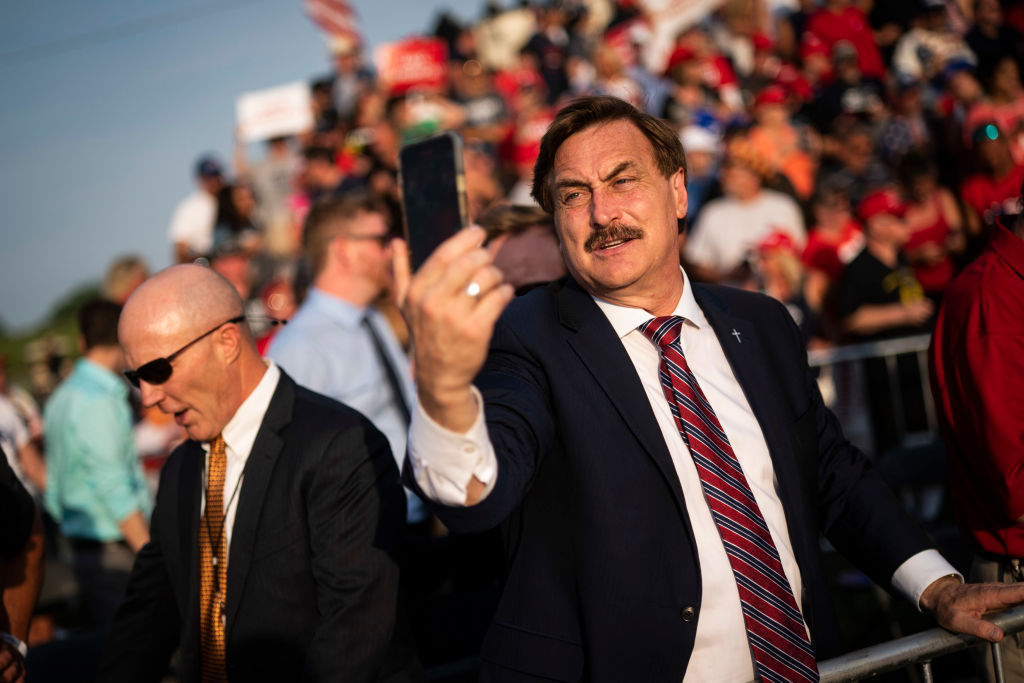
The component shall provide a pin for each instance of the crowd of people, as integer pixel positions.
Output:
(846, 158)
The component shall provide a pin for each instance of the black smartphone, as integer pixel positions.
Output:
(433, 181)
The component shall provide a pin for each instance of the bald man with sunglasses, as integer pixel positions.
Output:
(273, 538)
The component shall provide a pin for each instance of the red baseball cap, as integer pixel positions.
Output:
(679, 56)
(773, 94)
(777, 240)
(881, 201)
(762, 43)
(813, 45)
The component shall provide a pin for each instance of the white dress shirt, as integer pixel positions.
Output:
(444, 463)
(239, 435)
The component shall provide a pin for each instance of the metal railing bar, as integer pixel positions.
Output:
(997, 662)
(909, 650)
(926, 672)
(896, 389)
(850, 352)
(926, 386)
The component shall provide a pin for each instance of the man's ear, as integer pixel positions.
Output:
(337, 250)
(680, 198)
(229, 342)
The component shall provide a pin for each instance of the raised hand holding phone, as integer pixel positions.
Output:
(451, 305)
(449, 290)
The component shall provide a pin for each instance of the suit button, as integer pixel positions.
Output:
(687, 614)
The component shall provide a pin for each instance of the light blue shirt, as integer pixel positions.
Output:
(94, 478)
(324, 347)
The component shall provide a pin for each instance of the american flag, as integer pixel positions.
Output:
(336, 18)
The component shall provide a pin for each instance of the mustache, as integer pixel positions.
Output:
(610, 234)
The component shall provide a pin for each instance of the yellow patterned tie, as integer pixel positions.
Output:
(213, 566)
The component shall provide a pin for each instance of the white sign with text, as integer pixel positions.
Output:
(274, 112)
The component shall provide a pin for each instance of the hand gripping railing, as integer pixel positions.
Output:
(920, 648)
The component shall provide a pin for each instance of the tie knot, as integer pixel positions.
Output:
(217, 446)
(663, 331)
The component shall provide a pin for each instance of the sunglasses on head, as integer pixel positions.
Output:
(159, 370)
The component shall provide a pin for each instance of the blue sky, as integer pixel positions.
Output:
(106, 105)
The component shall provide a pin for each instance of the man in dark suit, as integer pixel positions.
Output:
(293, 497)
(604, 407)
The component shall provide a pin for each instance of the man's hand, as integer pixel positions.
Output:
(451, 327)
(12, 666)
(958, 607)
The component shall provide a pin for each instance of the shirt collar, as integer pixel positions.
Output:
(102, 376)
(335, 308)
(240, 432)
(625, 319)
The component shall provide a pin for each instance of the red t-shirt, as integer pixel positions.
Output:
(852, 25)
(832, 256)
(977, 369)
(993, 198)
(934, 277)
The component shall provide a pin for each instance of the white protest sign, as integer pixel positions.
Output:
(273, 112)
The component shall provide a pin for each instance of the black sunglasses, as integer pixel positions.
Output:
(159, 370)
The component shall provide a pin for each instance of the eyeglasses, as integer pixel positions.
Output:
(159, 370)
(383, 240)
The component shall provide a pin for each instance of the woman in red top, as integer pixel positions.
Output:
(936, 226)
(834, 241)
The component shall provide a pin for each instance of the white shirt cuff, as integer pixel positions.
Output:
(919, 571)
(444, 462)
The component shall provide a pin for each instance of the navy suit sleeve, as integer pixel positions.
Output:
(520, 426)
(857, 512)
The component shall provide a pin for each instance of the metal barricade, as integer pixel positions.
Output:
(841, 379)
(919, 649)
(829, 360)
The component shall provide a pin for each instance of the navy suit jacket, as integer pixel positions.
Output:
(312, 587)
(603, 581)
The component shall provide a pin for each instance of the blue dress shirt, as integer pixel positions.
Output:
(324, 347)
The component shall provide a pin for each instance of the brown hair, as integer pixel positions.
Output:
(97, 322)
(327, 220)
(585, 112)
(512, 219)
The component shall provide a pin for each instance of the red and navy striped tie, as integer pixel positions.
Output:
(775, 627)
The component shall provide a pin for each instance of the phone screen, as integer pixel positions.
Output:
(433, 193)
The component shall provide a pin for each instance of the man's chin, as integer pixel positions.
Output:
(199, 433)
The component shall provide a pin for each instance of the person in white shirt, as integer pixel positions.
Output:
(729, 228)
(191, 228)
(548, 416)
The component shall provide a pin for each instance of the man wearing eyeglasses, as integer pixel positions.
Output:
(96, 489)
(337, 343)
(275, 525)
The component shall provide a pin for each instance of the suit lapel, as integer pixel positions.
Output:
(594, 340)
(752, 365)
(256, 477)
